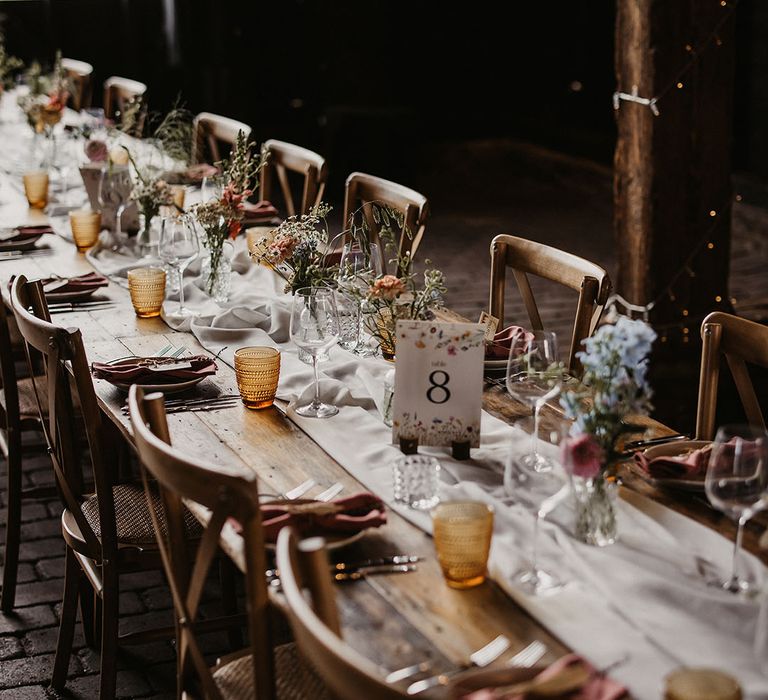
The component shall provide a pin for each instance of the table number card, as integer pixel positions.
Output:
(438, 382)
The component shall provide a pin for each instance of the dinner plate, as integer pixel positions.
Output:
(331, 541)
(672, 449)
(495, 365)
(26, 244)
(77, 295)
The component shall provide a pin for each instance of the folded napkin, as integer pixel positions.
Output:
(140, 370)
(257, 212)
(498, 348)
(90, 280)
(343, 516)
(597, 687)
(23, 232)
(689, 465)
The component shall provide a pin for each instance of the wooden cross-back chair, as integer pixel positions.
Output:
(79, 73)
(525, 258)
(285, 158)
(118, 92)
(209, 131)
(742, 342)
(18, 415)
(303, 564)
(267, 671)
(108, 532)
(363, 191)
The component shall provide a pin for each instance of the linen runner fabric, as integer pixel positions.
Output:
(646, 597)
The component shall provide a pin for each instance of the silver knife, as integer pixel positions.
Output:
(364, 571)
(344, 567)
(636, 445)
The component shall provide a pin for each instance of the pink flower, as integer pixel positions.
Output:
(281, 249)
(234, 228)
(96, 150)
(582, 456)
(57, 101)
(233, 198)
(387, 287)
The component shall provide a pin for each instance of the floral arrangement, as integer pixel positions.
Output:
(615, 362)
(221, 218)
(297, 249)
(150, 192)
(8, 66)
(47, 98)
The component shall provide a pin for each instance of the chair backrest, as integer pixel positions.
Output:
(79, 73)
(209, 131)
(742, 342)
(9, 409)
(363, 191)
(285, 158)
(304, 564)
(119, 92)
(226, 492)
(526, 257)
(66, 370)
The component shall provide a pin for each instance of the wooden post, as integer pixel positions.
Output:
(672, 187)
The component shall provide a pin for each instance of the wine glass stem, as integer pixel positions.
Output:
(119, 225)
(534, 545)
(733, 583)
(316, 401)
(535, 433)
(180, 272)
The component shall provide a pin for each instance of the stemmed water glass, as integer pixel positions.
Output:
(212, 187)
(115, 187)
(737, 483)
(534, 376)
(315, 329)
(358, 268)
(178, 247)
(540, 491)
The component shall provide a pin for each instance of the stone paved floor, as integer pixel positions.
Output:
(543, 196)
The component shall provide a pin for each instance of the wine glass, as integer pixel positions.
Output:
(212, 187)
(178, 246)
(534, 376)
(540, 491)
(358, 267)
(315, 329)
(115, 188)
(737, 483)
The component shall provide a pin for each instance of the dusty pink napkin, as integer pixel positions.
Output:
(90, 280)
(196, 173)
(257, 212)
(498, 348)
(23, 232)
(599, 687)
(343, 516)
(138, 371)
(690, 465)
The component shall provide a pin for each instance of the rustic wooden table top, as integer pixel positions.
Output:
(394, 620)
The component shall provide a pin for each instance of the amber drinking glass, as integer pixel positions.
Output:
(147, 288)
(86, 226)
(36, 189)
(462, 532)
(258, 372)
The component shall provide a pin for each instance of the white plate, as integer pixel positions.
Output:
(77, 295)
(166, 388)
(26, 244)
(495, 364)
(331, 541)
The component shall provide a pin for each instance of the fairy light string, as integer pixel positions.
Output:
(706, 242)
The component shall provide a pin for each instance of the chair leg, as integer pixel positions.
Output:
(229, 599)
(110, 611)
(13, 524)
(88, 613)
(72, 584)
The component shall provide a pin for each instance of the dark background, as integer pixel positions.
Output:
(368, 83)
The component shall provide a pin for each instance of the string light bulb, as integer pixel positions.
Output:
(712, 212)
(679, 86)
(718, 298)
(710, 245)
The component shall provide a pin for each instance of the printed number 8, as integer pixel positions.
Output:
(438, 386)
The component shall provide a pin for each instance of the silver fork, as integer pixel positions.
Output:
(479, 659)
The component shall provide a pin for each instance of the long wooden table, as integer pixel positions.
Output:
(393, 620)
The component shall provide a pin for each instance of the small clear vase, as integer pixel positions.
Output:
(217, 278)
(148, 238)
(595, 510)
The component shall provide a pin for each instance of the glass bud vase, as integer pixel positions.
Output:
(217, 278)
(595, 510)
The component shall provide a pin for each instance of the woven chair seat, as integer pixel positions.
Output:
(27, 401)
(134, 523)
(295, 679)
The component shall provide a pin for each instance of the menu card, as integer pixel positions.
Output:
(438, 382)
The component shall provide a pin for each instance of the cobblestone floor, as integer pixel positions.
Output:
(543, 196)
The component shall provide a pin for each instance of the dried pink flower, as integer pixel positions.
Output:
(582, 456)
(96, 150)
(387, 287)
(281, 249)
